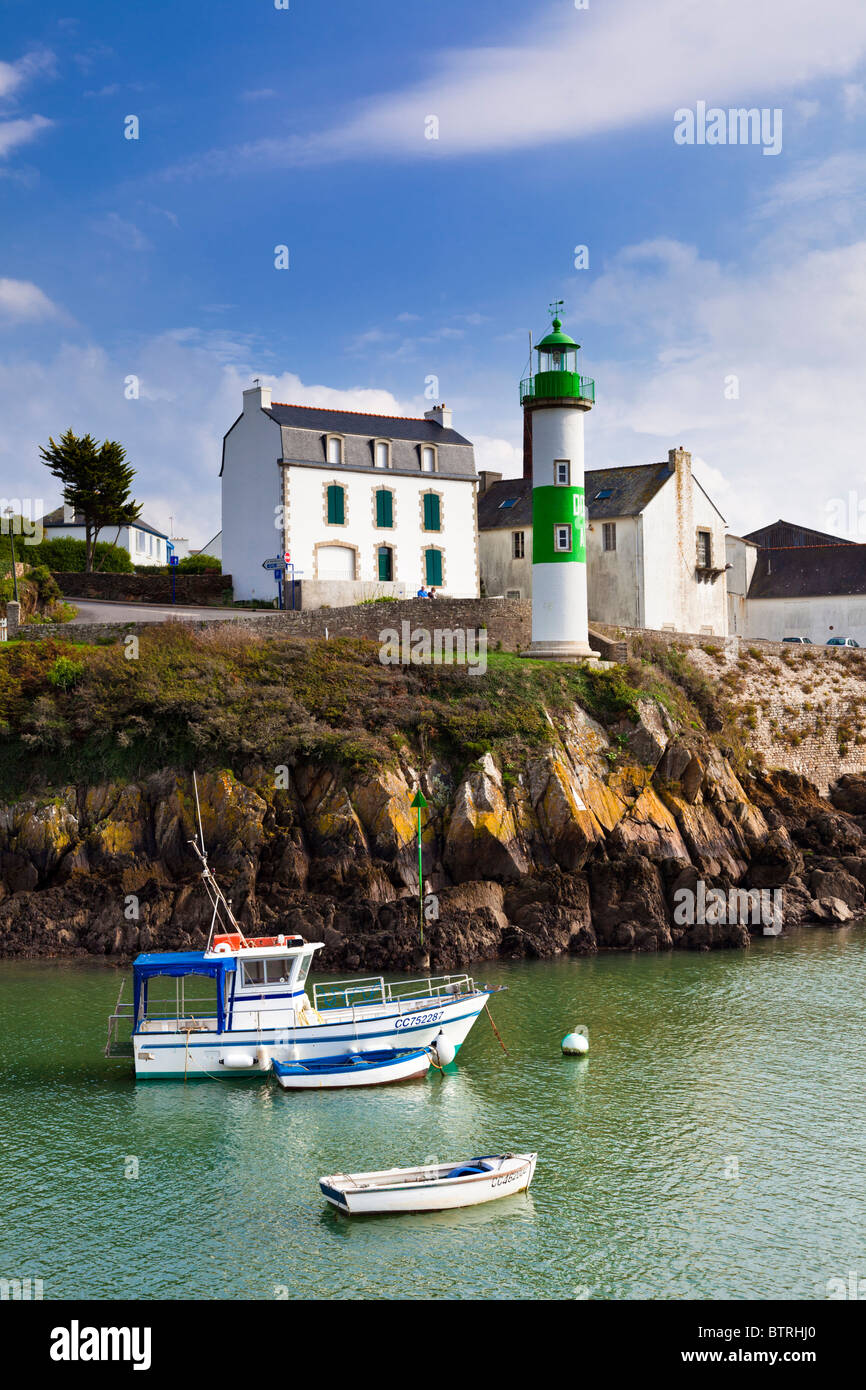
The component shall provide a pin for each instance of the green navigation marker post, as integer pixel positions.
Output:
(420, 804)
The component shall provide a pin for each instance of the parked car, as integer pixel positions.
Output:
(806, 640)
(841, 642)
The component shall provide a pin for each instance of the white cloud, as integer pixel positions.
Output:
(23, 302)
(15, 75)
(758, 372)
(20, 132)
(122, 231)
(572, 74)
(498, 455)
(853, 99)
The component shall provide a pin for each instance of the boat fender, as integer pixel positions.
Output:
(576, 1043)
(238, 1061)
(263, 1058)
(443, 1048)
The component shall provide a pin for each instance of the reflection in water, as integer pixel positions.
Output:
(712, 1143)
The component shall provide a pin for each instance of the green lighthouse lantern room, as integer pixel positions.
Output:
(557, 376)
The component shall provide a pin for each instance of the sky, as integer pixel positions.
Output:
(433, 171)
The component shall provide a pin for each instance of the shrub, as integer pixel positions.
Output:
(65, 673)
(67, 554)
(199, 564)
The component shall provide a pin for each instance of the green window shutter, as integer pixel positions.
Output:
(386, 571)
(384, 508)
(336, 505)
(433, 566)
(431, 512)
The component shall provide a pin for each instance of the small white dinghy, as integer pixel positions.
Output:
(437, 1187)
(352, 1069)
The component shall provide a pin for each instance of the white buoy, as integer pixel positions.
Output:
(576, 1043)
(444, 1049)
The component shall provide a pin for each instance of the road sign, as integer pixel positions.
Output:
(276, 564)
(288, 557)
(278, 574)
(173, 559)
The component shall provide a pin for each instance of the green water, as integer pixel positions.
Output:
(712, 1145)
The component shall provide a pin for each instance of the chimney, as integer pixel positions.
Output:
(486, 479)
(680, 460)
(257, 397)
(527, 444)
(441, 416)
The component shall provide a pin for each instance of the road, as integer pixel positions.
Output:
(101, 611)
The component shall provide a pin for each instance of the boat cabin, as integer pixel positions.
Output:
(239, 983)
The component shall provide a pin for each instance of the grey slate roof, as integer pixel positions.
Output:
(810, 571)
(55, 518)
(782, 534)
(630, 491)
(307, 417)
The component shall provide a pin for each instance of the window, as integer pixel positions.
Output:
(562, 472)
(385, 556)
(428, 459)
(254, 972)
(381, 453)
(705, 550)
(432, 512)
(384, 507)
(279, 971)
(608, 536)
(603, 495)
(562, 538)
(306, 962)
(513, 593)
(433, 567)
(336, 505)
(509, 502)
(139, 540)
(518, 545)
(334, 449)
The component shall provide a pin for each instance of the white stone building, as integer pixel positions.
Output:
(147, 545)
(655, 546)
(787, 580)
(364, 504)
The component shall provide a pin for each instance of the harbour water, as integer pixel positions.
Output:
(712, 1144)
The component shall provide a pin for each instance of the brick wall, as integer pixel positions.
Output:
(145, 588)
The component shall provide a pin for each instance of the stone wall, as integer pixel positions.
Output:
(145, 588)
(508, 623)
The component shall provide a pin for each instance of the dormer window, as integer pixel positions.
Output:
(381, 453)
(428, 459)
(334, 448)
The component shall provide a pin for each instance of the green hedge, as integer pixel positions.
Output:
(66, 554)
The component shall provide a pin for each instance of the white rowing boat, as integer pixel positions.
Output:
(435, 1187)
(352, 1069)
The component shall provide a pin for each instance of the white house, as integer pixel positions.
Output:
(655, 545)
(363, 504)
(147, 545)
(787, 580)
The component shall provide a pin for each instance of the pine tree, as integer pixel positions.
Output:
(96, 483)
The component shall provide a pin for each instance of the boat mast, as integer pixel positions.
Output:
(212, 888)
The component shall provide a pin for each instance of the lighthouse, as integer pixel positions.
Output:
(554, 401)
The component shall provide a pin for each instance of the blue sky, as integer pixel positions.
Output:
(411, 257)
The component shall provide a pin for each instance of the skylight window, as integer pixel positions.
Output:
(509, 502)
(603, 495)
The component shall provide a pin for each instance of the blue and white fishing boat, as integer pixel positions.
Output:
(233, 1008)
(352, 1069)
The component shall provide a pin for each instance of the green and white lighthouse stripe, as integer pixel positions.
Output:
(553, 507)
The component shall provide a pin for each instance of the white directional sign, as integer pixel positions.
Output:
(276, 564)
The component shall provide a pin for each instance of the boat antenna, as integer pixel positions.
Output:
(212, 888)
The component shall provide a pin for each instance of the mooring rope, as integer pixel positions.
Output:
(495, 1029)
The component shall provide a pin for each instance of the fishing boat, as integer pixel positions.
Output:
(439, 1187)
(352, 1069)
(242, 1003)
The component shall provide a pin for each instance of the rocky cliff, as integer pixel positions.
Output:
(578, 835)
